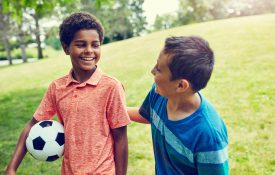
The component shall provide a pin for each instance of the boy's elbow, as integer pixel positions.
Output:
(134, 115)
(120, 134)
(141, 119)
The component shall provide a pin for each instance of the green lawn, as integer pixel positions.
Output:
(242, 88)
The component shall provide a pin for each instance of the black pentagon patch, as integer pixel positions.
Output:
(38, 143)
(46, 123)
(60, 138)
(52, 158)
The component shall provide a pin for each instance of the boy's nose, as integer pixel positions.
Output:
(88, 49)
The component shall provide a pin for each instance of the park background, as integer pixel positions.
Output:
(242, 87)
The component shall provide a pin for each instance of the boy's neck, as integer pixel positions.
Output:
(82, 76)
(183, 106)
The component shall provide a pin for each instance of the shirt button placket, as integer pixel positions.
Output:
(74, 100)
(75, 93)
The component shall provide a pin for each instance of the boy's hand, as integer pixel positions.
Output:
(20, 149)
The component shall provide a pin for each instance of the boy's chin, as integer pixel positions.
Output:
(157, 91)
(88, 68)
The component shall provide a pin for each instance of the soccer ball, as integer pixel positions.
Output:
(46, 140)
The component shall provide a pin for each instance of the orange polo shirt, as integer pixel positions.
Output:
(89, 111)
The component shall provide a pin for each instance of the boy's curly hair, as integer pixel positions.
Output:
(76, 22)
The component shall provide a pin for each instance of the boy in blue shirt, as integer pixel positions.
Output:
(189, 136)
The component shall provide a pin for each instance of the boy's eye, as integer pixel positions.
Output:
(157, 68)
(96, 45)
(80, 45)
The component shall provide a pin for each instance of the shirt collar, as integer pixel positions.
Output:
(93, 80)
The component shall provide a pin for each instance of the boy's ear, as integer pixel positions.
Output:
(183, 85)
(65, 48)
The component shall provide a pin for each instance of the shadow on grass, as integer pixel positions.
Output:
(17, 62)
(16, 110)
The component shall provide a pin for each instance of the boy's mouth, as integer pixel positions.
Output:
(87, 58)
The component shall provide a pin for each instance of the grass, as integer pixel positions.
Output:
(242, 88)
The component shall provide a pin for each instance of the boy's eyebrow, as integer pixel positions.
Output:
(83, 41)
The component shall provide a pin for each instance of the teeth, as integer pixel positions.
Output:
(87, 58)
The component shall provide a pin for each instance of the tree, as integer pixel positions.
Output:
(121, 19)
(21, 38)
(38, 10)
(4, 28)
(165, 21)
(41, 9)
(15, 10)
(202, 10)
(118, 26)
(194, 11)
(138, 20)
(249, 7)
(217, 9)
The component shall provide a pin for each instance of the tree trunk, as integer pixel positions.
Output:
(37, 36)
(22, 44)
(4, 30)
(7, 48)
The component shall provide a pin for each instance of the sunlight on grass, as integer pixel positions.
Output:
(242, 88)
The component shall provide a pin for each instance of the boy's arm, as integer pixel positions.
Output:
(20, 149)
(213, 162)
(135, 116)
(120, 149)
(218, 169)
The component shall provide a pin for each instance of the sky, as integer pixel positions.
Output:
(154, 7)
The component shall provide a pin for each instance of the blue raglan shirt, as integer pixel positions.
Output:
(195, 145)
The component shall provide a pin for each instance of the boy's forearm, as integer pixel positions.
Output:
(135, 116)
(20, 150)
(120, 150)
(121, 158)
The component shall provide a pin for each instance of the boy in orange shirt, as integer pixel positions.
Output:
(90, 104)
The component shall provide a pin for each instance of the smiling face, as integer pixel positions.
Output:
(162, 75)
(84, 50)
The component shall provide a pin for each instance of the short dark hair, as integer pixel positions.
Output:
(191, 58)
(78, 21)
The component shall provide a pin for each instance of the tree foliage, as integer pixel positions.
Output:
(121, 19)
(165, 22)
(137, 18)
(191, 11)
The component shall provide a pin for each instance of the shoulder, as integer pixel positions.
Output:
(212, 135)
(211, 129)
(212, 119)
(110, 80)
(110, 84)
(212, 144)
